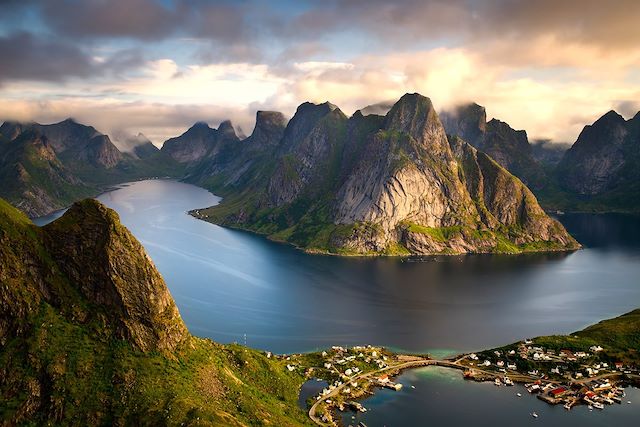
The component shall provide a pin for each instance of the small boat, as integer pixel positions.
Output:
(534, 415)
(590, 408)
(497, 382)
(598, 405)
(413, 386)
(567, 406)
(519, 394)
(628, 402)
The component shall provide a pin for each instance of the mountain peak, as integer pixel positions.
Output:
(610, 117)
(114, 273)
(415, 115)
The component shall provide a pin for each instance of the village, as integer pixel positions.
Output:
(568, 377)
(556, 376)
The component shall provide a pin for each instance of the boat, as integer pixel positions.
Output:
(598, 405)
(519, 394)
(628, 402)
(567, 406)
(534, 415)
(497, 382)
(413, 386)
(590, 407)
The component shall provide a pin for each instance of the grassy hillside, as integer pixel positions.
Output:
(67, 355)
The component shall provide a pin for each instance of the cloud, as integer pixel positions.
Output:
(140, 19)
(628, 108)
(27, 57)
(35, 58)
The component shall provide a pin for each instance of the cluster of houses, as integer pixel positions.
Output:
(342, 360)
(595, 394)
(567, 377)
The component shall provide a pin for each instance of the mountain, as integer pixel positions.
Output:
(385, 185)
(200, 142)
(509, 147)
(47, 167)
(90, 335)
(603, 164)
(137, 145)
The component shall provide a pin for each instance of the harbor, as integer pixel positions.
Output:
(557, 377)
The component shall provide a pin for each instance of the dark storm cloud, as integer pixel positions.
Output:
(139, 19)
(146, 19)
(30, 57)
(27, 57)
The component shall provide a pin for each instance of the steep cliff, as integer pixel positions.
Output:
(392, 185)
(89, 335)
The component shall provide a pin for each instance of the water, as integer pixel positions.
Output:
(229, 283)
(442, 397)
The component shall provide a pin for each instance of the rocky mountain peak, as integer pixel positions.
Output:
(113, 272)
(415, 116)
(269, 128)
(468, 121)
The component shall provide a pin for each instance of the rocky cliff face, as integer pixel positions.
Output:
(89, 254)
(396, 184)
(596, 161)
(509, 147)
(110, 269)
(308, 150)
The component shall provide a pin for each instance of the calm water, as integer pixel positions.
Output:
(229, 283)
(442, 397)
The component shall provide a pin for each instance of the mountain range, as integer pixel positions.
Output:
(393, 178)
(47, 167)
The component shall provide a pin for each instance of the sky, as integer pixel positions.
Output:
(158, 66)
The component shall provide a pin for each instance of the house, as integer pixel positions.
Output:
(383, 378)
(557, 392)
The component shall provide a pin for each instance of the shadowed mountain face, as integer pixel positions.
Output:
(90, 335)
(605, 156)
(47, 167)
(378, 185)
(509, 147)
